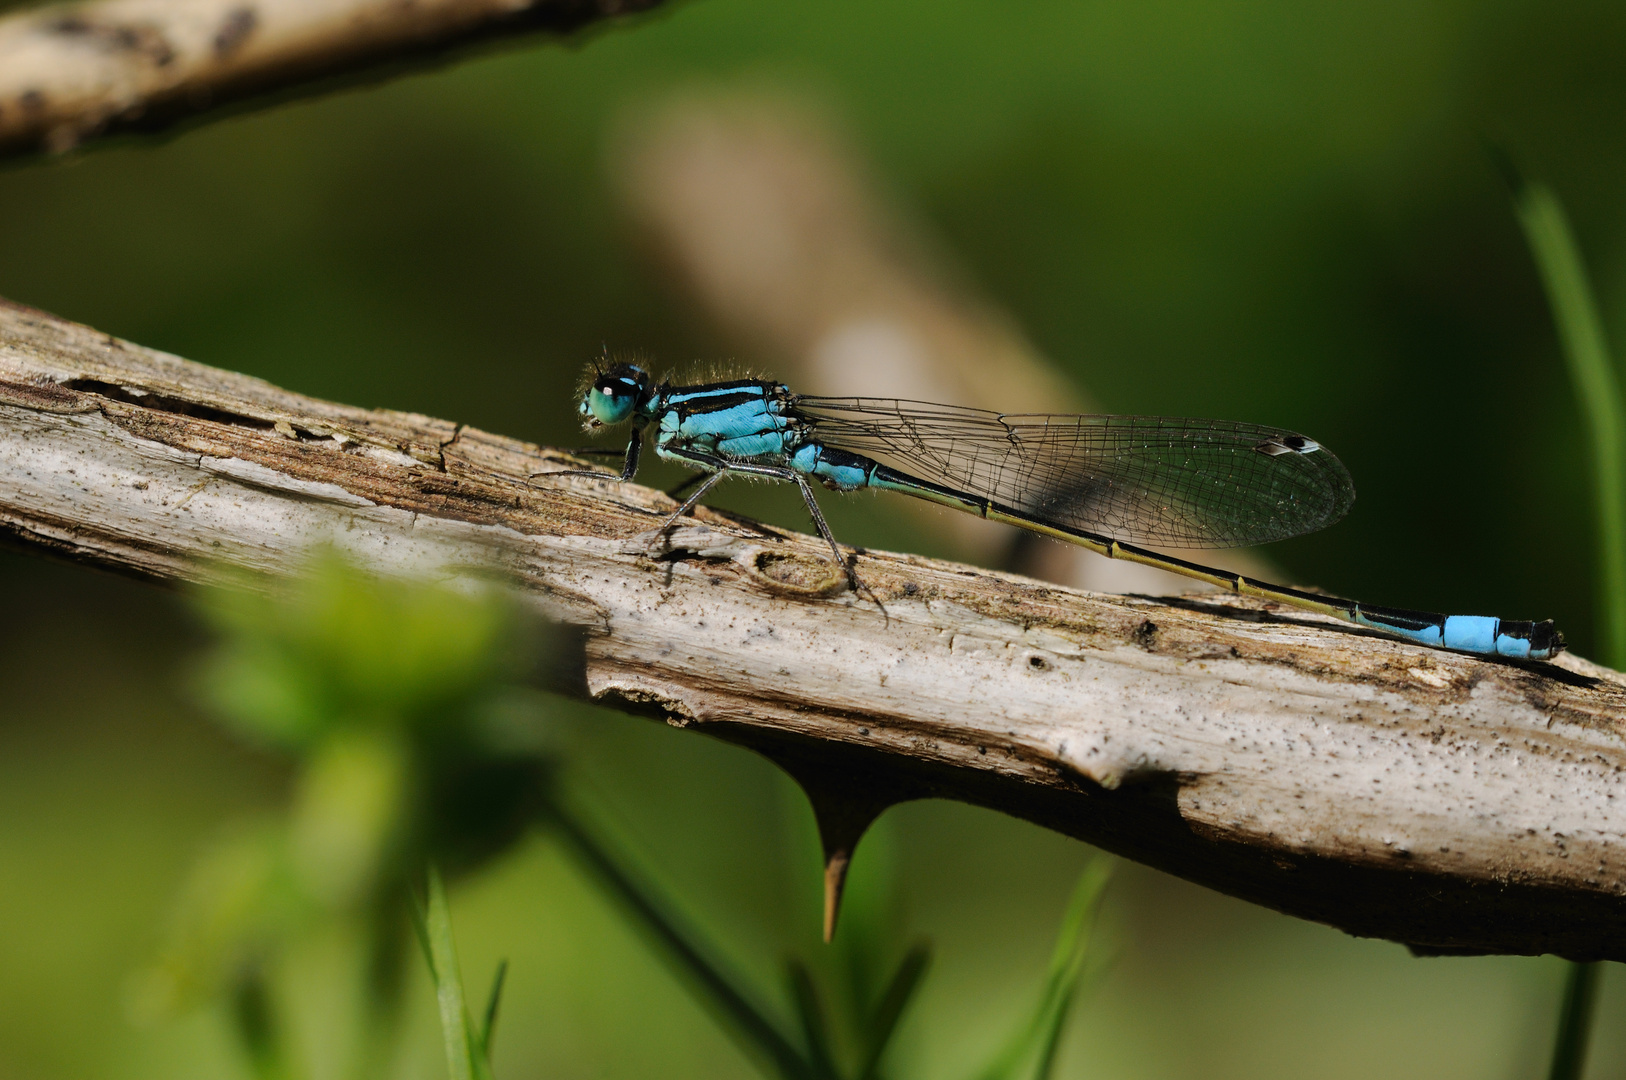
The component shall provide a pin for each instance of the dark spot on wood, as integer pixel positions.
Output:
(1145, 635)
(145, 39)
(150, 42)
(68, 26)
(910, 588)
(1038, 663)
(161, 403)
(238, 26)
(33, 101)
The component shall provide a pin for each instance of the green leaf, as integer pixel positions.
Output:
(256, 1023)
(815, 1033)
(1597, 388)
(464, 1058)
(728, 998)
(488, 1025)
(1038, 1038)
(899, 992)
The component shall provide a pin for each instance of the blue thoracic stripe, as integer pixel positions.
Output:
(759, 427)
(745, 387)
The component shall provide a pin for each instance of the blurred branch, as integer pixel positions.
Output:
(70, 72)
(1451, 803)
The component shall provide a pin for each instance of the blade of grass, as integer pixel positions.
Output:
(420, 927)
(1037, 1038)
(1053, 1032)
(1574, 1022)
(726, 996)
(899, 992)
(815, 1033)
(462, 1060)
(488, 1025)
(1592, 371)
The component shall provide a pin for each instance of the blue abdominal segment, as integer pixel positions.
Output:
(1471, 633)
(837, 470)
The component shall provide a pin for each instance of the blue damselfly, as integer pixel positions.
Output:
(1106, 483)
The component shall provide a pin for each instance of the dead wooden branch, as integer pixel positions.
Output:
(69, 72)
(1452, 803)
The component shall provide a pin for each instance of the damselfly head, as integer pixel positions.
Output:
(611, 394)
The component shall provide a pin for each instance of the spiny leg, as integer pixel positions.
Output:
(676, 491)
(705, 485)
(853, 579)
(819, 522)
(629, 467)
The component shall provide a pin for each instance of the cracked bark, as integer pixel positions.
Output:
(71, 72)
(1451, 803)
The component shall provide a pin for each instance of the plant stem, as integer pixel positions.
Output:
(746, 1020)
(1574, 1021)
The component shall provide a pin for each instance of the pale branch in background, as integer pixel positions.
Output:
(773, 226)
(1447, 802)
(71, 72)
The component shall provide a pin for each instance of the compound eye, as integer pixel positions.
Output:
(611, 401)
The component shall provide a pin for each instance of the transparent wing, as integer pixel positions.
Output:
(1142, 479)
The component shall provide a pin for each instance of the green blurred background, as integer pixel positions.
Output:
(1262, 210)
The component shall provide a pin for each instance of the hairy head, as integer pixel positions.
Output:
(611, 393)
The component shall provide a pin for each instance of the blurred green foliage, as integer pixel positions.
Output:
(345, 652)
(1250, 209)
(394, 700)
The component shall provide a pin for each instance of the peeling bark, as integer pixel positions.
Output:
(1448, 802)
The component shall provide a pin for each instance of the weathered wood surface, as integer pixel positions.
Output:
(69, 72)
(1448, 802)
